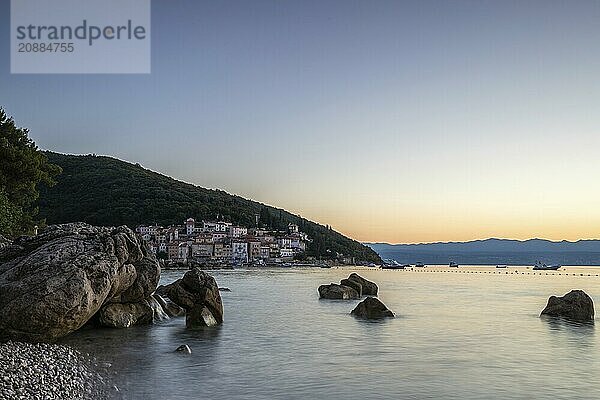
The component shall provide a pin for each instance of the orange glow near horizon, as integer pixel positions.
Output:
(385, 216)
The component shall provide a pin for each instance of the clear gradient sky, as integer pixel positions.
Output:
(391, 121)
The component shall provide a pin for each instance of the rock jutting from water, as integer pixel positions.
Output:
(353, 287)
(334, 291)
(53, 283)
(372, 308)
(198, 293)
(184, 349)
(575, 305)
(170, 308)
(368, 288)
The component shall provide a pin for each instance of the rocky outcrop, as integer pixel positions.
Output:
(184, 349)
(354, 285)
(372, 308)
(124, 315)
(198, 293)
(4, 241)
(53, 283)
(368, 288)
(337, 292)
(170, 308)
(575, 305)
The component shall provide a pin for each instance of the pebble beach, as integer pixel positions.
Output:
(49, 372)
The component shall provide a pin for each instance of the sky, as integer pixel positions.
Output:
(391, 121)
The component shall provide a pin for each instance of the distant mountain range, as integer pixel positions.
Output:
(494, 251)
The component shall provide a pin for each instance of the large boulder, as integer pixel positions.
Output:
(372, 308)
(124, 315)
(368, 288)
(337, 292)
(575, 305)
(353, 284)
(170, 308)
(53, 283)
(198, 293)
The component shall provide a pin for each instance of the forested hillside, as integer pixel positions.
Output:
(106, 191)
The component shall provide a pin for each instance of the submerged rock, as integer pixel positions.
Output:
(337, 292)
(184, 348)
(53, 283)
(575, 305)
(198, 293)
(224, 289)
(372, 308)
(368, 288)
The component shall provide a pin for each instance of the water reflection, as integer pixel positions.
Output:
(564, 324)
(575, 336)
(455, 336)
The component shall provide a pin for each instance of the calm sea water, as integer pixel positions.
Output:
(466, 333)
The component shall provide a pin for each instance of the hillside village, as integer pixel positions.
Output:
(220, 242)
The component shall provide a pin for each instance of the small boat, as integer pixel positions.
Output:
(388, 266)
(392, 264)
(539, 266)
(453, 264)
(419, 265)
(501, 266)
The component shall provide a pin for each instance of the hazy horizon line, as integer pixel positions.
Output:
(483, 240)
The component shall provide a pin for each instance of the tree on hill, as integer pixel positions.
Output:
(22, 168)
(105, 191)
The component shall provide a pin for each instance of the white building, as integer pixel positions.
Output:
(215, 226)
(265, 252)
(202, 250)
(238, 231)
(286, 252)
(293, 228)
(239, 251)
(162, 247)
(190, 225)
(183, 251)
(284, 241)
(172, 234)
(147, 229)
(217, 236)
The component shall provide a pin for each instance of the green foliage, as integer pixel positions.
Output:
(11, 217)
(106, 191)
(22, 168)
